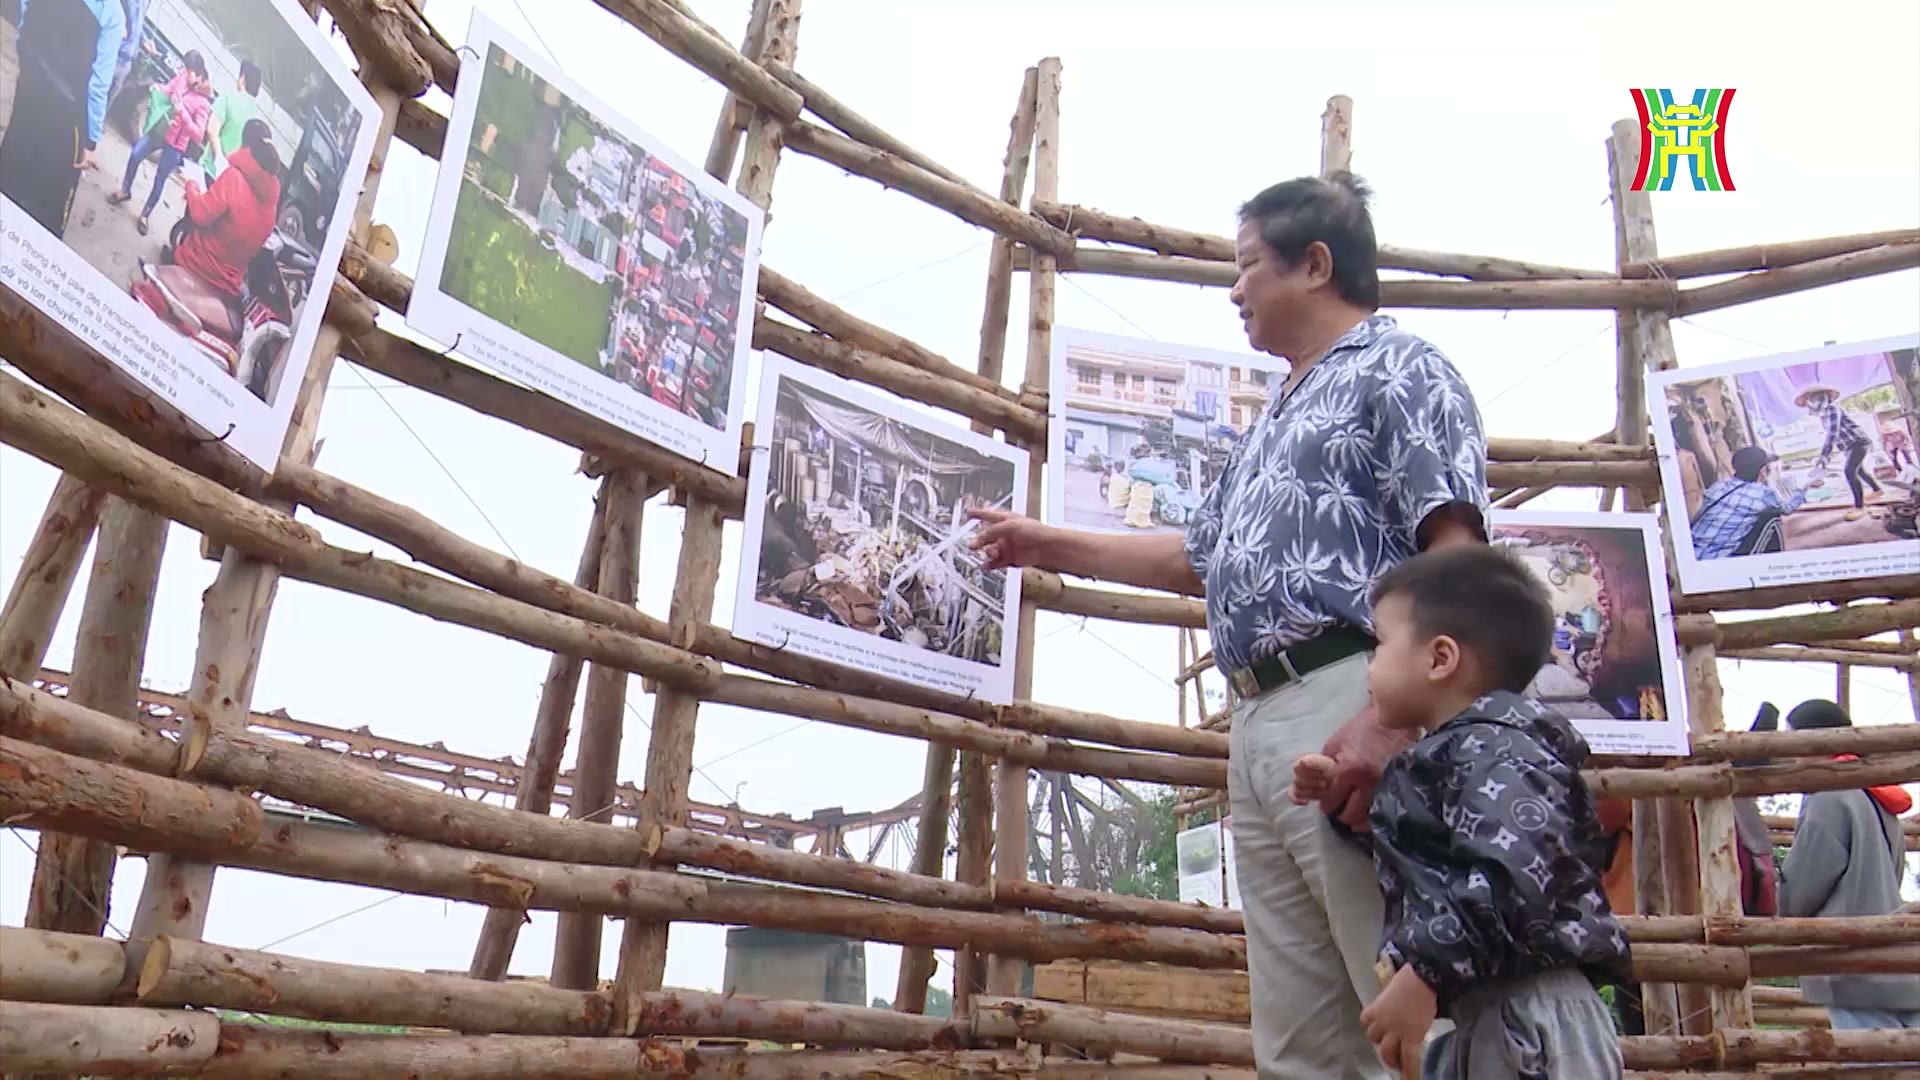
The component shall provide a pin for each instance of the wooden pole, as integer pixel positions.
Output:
(929, 860)
(46, 574)
(1763, 256)
(83, 1040)
(1910, 640)
(643, 945)
(552, 720)
(1013, 185)
(576, 948)
(732, 121)
(234, 609)
(833, 111)
(1011, 812)
(48, 966)
(1094, 1031)
(1336, 135)
(1718, 851)
(73, 877)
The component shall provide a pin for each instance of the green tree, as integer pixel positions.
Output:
(1156, 873)
(939, 1002)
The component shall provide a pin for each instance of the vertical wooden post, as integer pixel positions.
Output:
(973, 865)
(731, 123)
(72, 876)
(1719, 842)
(1011, 821)
(1336, 135)
(936, 793)
(663, 798)
(576, 950)
(1843, 687)
(552, 719)
(1912, 642)
(45, 580)
(234, 609)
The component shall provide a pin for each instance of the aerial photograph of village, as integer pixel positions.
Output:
(591, 245)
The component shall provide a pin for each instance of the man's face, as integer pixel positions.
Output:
(1269, 294)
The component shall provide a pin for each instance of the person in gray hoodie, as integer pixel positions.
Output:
(1847, 859)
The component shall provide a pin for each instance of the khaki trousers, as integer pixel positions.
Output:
(1311, 901)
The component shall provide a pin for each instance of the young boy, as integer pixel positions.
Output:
(1487, 843)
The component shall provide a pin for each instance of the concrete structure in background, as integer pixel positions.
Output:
(795, 966)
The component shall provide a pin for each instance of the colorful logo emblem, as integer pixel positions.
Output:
(1672, 132)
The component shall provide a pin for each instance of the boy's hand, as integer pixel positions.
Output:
(1398, 1020)
(1312, 777)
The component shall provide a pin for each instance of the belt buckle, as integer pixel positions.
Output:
(1245, 682)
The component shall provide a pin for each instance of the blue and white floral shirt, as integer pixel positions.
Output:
(1326, 490)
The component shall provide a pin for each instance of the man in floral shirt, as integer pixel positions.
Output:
(1370, 451)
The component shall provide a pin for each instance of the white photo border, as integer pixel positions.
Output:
(1629, 737)
(1854, 561)
(209, 398)
(521, 359)
(1067, 338)
(772, 626)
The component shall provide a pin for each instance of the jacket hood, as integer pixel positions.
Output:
(265, 186)
(1523, 714)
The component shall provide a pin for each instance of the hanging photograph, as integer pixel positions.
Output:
(1203, 873)
(1615, 669)
(1793, 468)
(570, 251)
(177, 179)
(856, 536)
(1140, 429)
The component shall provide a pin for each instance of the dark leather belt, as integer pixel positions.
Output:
(1296, 663)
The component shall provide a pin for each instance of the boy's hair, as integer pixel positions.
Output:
(1483, 598)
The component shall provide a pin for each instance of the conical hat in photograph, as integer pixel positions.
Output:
(1808, 391)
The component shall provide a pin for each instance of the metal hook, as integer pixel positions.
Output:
(972, 690)
(217, 439)
(785, 638)
(704, 451)
(467, 50)
(456, 344)
(768, 449)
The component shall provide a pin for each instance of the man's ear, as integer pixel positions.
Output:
(1318, 262)
(1444, 658)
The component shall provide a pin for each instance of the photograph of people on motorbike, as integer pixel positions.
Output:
(192, 151)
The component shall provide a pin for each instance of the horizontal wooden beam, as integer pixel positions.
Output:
(1801, 277)
(680, 33)
(835, 112)
(1857, 620)
(1748, 257)
(1764, 598)
(1802, 655)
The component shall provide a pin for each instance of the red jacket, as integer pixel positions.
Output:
(232, 219)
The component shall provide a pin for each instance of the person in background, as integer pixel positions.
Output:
(1843, 436)
(233, 217)
(132, 45)
(228, 119)
(189, 93)
(66, 52)
(1848, 854)
(1368, 452)
(1487, 842)
(1741, 515)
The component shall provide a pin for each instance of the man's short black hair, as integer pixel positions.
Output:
(250, 77)
(1483, 598)
(1332, 210)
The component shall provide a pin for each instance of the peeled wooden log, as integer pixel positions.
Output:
(768, 863)
(1835, 960)
(48, 966)
(963, 201)
(377, 281)
(914, 383)
(1557, 450)
(45, 578)
(1113, 907)
(87, 1040)
(1795, 654)
(1858, 620)
(1763, 256)
(180, 971)
(1113, 730)
(46, 789)
(1694, 965)
(420, 127)
(379, 36)
(1737, 1047)
(1887, 587)
(833, 111)
(1806, 1016)
(1573, 473)
(1049, 591)
(1863, 930)
(1853, 265)
(1884, 648)
(798, 301)
(1756, 745)
(1708, 781)
(1097, 1032)
(686, 37)
(1093, 224)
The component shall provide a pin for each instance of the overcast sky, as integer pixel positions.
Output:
(1481, 125)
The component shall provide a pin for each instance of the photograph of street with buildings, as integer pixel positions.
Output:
(1144, 428)
(572, 251)
(858, 523)
(228, 143)
(1612, 662)
(1790, 460)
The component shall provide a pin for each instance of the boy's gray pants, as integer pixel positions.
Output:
(1551, 1026)
(1311, 901)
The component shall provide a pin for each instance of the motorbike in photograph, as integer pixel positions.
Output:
(249, 337)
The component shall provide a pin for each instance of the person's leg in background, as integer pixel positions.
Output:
(1311, 901)
(1858, 479)
(1870, 1019)
(145, 147)
(170, 160)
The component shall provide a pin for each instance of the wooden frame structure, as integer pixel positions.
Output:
(82, 769)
